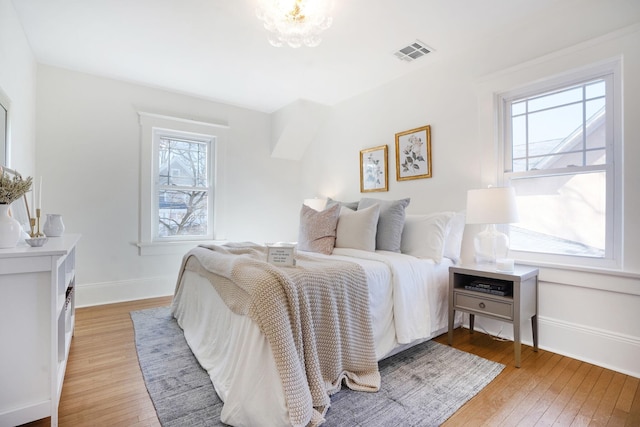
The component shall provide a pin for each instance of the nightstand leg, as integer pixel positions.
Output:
(452, 316)
(534, 331)
(517, 347)
(472, 320)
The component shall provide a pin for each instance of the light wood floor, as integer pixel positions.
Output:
(104, 385)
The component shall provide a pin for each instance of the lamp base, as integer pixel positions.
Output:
(490, 245)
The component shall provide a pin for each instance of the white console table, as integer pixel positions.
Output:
(37, 304)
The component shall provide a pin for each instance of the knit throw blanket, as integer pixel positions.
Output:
(315, 317)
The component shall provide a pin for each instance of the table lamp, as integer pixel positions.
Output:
(491, 206)
(315, 203)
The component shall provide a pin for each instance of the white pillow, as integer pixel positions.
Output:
(453, 240)
(357, 229)
(424, 235)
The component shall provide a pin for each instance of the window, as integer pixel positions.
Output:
(183, 185)
(560, 144)
(3, 135)
(4, 129)
(179, 180)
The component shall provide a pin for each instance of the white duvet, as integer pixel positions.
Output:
(408, 301)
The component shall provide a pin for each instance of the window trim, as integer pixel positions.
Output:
(614, 167)
(147, 243)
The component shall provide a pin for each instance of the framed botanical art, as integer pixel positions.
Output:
(413, 154)
(374, 169)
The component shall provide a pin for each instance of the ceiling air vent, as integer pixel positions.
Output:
(413, 51)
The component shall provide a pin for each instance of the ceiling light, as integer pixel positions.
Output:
(295, 22)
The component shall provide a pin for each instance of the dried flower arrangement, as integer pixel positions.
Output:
(12, 189)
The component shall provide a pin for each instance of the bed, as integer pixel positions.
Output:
(385, 300)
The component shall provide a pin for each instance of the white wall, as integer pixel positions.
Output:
(18, 82)
(589, 315)
(88, 140)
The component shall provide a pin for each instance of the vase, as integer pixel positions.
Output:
(10, 229)
(53, 226)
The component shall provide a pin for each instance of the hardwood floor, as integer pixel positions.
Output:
(104, 385)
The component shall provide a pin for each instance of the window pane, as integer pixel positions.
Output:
(596, 124)
(556, 99)
(561, 215)
(182, 213)
(549, 130)
(596, 89)
(556, 161)
(518, 108)
(182, 163)
(595, 108)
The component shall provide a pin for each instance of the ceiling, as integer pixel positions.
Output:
(218, 49)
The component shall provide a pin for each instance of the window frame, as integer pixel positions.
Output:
(612, 72)
(148, 243)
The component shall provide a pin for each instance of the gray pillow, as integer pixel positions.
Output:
(390, 222)
(317, 232)
(351, 205)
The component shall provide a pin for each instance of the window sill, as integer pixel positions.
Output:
(602, 279)
(171, 248)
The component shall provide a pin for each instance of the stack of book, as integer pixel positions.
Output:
(495, 288)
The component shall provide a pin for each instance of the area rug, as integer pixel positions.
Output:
(422, 386)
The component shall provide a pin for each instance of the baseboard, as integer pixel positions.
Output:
(611, 350)
(599, 347)
(18, 416)
(90, 294)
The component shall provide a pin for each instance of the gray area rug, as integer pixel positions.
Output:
(422, 386)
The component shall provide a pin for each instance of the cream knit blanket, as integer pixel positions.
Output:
(315, 317)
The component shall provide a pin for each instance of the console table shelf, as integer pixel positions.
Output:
(37, 317)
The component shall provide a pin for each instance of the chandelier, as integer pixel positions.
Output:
(295, 22)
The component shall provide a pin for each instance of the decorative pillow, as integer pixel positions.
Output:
(357, 229)
(317, 232)
(424, 235)
(453, 240)
(390, 222)
(351, 205)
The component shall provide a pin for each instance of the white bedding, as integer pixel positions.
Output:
(408, 303)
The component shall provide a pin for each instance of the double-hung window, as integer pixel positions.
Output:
(183, 186)
(561, 142)
(178, 171)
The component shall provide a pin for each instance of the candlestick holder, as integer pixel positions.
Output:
(32, 226)
(38, 234)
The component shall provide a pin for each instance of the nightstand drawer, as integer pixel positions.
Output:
(483, 305)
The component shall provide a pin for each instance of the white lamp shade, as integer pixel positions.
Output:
(495, 205)
(317, 204)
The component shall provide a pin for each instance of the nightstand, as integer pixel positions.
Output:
(507, 296)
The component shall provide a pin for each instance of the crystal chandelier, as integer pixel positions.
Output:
(295, 22)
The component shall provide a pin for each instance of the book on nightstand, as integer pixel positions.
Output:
(489, 287)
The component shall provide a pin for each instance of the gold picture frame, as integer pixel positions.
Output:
(374, 169)
(413, 154)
